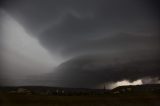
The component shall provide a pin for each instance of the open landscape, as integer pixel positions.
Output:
(146, 95)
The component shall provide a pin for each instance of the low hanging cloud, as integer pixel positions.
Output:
(90, 71)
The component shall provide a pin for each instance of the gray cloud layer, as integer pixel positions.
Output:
(90, 32)
(64, 25)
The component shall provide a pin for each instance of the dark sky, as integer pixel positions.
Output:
(95, 41)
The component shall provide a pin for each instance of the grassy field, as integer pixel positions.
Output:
(42, 100)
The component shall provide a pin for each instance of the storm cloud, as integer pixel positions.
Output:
(64, 26)
(98, 40)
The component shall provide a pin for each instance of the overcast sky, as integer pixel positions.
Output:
(80, 43)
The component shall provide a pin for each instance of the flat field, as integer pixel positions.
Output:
(108, 100)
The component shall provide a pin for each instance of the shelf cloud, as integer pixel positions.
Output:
(92, 41)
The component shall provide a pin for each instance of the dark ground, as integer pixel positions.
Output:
(143, 95)
(101, 100)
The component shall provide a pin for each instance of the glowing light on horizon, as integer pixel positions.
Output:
(125, 83)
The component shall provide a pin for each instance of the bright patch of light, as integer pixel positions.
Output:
(124, 83)
(18, 43)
